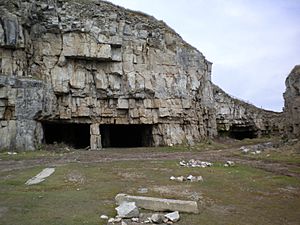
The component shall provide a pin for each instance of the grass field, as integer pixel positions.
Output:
(81, 190)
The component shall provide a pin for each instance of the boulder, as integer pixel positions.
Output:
(173, 217)
(127, 210)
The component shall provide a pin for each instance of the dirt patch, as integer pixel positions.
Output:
(146, 154)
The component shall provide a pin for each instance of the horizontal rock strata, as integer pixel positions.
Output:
(99, 64)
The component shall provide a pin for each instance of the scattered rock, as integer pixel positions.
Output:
(194, 178)
(127, 210)
(135, 219)
(111, 220)
(12, 153)
(258, 148)
(157, 218)
(142, 190)
(41, 176)
(104, 217)
(190, 178)
(181, 178)
(195, 163)
(173, 217)
(229, 164)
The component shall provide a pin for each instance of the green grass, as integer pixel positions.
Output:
(234, 195)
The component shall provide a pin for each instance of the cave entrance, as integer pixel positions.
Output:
(126, 136)
(242, 132)
(76, 135)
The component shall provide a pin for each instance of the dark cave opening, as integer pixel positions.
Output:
(76, 135)
(126, 136)
(242, 132)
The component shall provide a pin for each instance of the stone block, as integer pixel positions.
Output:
(159, 204)
(95, 129)
(134, 113)
(3, 92)
(148, 104)
(123, 103)
(95, 142)
(81, 45)
(116, 54)
(83, 111)
(163, 112)
(2, 112)
(3, 102)
(186, 103)
(78, 77)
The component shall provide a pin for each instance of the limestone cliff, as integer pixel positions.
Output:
(91, 62)
(239, 119)
(292, 103)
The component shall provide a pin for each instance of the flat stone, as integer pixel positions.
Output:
(104, 217)
(41, 176)
(159, 204)
(174, 216)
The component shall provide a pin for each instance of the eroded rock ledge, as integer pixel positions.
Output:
(239, 119)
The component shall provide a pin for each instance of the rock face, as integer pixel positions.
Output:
(239, 119)
(98, 69)
(292, 103)
(92, 74)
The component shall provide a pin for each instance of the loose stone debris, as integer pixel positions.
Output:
(142, 190)
(190, 178)
(41, 176)
(12, 153)
(104, 217)
(195, 163)
(148, 218)
(128, 211)
(257, 149)
(229, 164)
(157, 218)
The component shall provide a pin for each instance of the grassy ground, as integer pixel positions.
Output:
(79, 192)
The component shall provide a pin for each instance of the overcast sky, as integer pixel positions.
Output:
(253, 44)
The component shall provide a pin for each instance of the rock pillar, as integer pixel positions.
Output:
(95, 139)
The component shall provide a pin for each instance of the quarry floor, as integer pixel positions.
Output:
(261, 188)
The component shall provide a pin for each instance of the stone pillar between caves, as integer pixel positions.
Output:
(95, 138)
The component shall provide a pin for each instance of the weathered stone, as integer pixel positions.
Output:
(94, 62)
(123, 103)
(81, 45)
(127, 210)
(41, 176)
(157, 218)
(159, 204)
(173, 217)
(292, 103)
(239, 119)
(229, 163)
(104, 217)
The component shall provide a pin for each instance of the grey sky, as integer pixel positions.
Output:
(253, 44)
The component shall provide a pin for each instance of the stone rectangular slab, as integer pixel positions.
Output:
(159, 204)
(41, 176)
